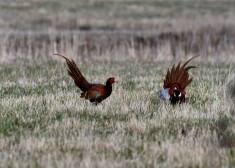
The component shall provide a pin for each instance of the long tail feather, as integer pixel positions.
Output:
(179, 75)
(75, 73)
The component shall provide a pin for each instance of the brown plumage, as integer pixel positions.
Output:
(93, 92)
(176, 80)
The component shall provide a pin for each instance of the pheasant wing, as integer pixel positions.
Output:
(96, 91)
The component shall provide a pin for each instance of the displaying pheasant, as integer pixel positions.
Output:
(175, 82)
(93, 92)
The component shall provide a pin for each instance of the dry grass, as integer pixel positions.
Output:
(109, 15)
(44, 123)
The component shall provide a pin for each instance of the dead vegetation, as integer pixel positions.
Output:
(44, 123)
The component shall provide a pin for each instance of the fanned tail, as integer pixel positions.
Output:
(179, 75)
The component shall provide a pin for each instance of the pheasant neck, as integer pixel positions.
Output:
(108, 86)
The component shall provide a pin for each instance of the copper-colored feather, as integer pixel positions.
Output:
(178, 76)
(75, 73)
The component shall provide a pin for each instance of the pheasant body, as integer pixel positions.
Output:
(98, 92)
(95, 93)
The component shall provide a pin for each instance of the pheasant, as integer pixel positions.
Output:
(175, 82)
(95, 93)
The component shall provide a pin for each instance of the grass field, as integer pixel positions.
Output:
(45, 123)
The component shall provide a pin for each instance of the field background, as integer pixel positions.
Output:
(43, 121)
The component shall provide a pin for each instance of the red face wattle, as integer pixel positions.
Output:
(173, 89)
(112, 80)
